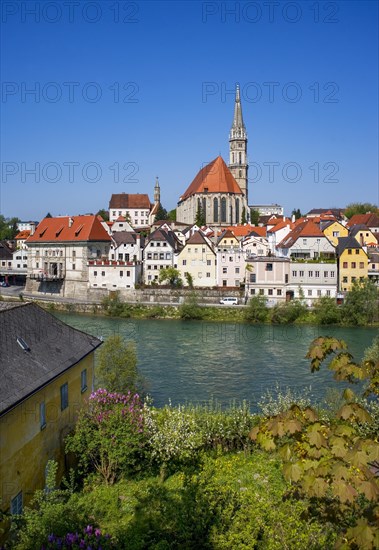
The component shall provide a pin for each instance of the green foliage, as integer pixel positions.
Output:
(361, 304)
(280, 400)
(243, 215)
(191, 308)
(8, 228)
(326, 311)
(360, 208)
(333, 461)
(189, 279)
(256, 310)
(297, 213)
(104, 214)
(161, 214)
(113, 305)
(109, 436)
(254, 216)
(172, 276)
(116, 365)
(372, 353)
(288, 312)
(171, 215)
(200, 216)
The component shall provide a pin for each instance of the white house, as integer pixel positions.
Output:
(161, 251)
(306, 240)
(312, 280)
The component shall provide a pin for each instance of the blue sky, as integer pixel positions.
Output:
(126, 91)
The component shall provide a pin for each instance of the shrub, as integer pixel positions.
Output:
(361, 304)
(326, 311)
(116, 365)
(191, 309)
(288, 312)
(256, 310)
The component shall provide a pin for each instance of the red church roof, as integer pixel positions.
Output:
(213, 178)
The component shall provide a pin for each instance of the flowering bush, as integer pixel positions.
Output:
(109, 435)
(90, 539)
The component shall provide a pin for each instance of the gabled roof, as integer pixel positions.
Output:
(52, 347)
(306, 228)
(347, 242)
(259, 231)
(227, 234)
(213, 178)
(127, 200)
(199, 238)
(126, 237)
(5, 251)
(336, 212)
(23, 234)
(163, 235)
(370, 220)
(69, 229)
(281, 225)
(241, 230)
(354, 229)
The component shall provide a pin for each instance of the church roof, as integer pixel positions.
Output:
(213, 178)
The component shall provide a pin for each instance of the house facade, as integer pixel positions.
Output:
(198, 258)
(269, 277)
(47, 373)
(352, 263)
(161, 251)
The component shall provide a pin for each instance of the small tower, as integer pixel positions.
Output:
(157, 192)
(238, 164)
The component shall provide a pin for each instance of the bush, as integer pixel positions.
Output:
(191, 309)
(326, 311)
(256, 310)
(116, 366)
(288, 312)
(361, 304)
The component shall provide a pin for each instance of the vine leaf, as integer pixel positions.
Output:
(292, 471)
(362, 534)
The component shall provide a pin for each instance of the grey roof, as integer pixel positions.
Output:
(346, 242)
(126, 237)
(354, 229)
(169, 236)
(53, 347)
(5, 251)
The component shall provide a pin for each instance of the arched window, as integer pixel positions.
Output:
(237, 211)
(240, 157)
(205, 209)
(215, 210)
(231, 214)
(223, 210)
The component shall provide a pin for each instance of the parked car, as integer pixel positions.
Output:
(229, 301)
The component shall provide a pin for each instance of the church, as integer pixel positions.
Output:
(220, 192)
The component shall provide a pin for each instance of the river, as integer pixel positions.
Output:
(194, 361)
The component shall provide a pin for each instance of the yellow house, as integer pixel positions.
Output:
(227, 240)
(199, 260)
(363, 235)
(352, 263)
(333, 230)
(46, 373)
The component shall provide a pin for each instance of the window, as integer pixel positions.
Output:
(317, 274)
(42, 415)
(361, 265)
(310, 274)
(168, 255)
(121, 256)
(16, 504)
(336, 233)
(270, 292)
(279, 292)
(301, 273)
(225, 270)
(253, 278)
(73, 266)
(294, 273)
(121, 273)
(286, 278)
(149, 256)
(353, 265)
(309, 293)
(161, 256)
(215, 210)
(83, 380)
(344, 265)
(268, 267)
(224, 282)
(128, 273)
(328, 292)
(349, 251)
(357, 250)
(326, 273)
(208, 274)
(209, 262)
(344, 279)
(237, 282)
(353, 279)
(261, 291)
(74, 254)
(304, 241)
(184, 262)
(164, 244)
(64, 396)
(237, 270)
(319, 293)
(223, 210)
(103, 273)
(252, 291)
(332, 273)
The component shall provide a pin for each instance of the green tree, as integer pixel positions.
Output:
(200, 216)
(360, 208)
(361, 303)
(296, 212)
(8, 228)
(326, 311)
(191, 309)
(172, 276)
(104, 214)
(256, 310)
(243, 216)
(161, 214)
(171, 215)
(116, 365)
(372, 353)
(254, 216)
(189, 279)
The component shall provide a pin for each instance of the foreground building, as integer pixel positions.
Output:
(46, 373)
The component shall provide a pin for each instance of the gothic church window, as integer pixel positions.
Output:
(215, 210)
(223, 210)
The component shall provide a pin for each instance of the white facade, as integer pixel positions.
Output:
(313, 280)
(269, 277)
(114, 275)
(268, 209)
(159, 253)
(255, 246)
(307, 247)
(231, 267)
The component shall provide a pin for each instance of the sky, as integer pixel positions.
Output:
(101, 97)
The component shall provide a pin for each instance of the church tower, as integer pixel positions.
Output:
(157, 192)
(238, 164)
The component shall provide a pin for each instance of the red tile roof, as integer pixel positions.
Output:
(370, 220)
(68, 229)
(281, 225)
(23, 234)
(127, 200)
(213, 178)
(242, 230)
(306, 228)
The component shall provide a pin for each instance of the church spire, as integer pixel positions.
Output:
(157, 192)
(238, 118)
(238, 163)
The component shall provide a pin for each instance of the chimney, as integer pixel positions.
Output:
(293, 218)
(70, 222)
(32, 228)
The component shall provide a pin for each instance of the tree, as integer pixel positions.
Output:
(360, 208)
(189, 279)
(243, 216)
(172, 276)
(254, 216)
(8, 228)
(116, 366)
(171, 215)
(256, 310)
(200, 216)
(296, 212)
(327, 459)
(161, 214)
(326, 311)
(104, 214)
(361, 303)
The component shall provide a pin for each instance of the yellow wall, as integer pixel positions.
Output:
(357, 256)
(365, 237)
(25, 448)
(196, 258)
(336, 226)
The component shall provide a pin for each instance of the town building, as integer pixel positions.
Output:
(267, 209)
(135, 208)
(198, 259)
(352, 262)
(161, 251)
(306, 240)
(312, 280)
(46, 374)
(269, 277)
